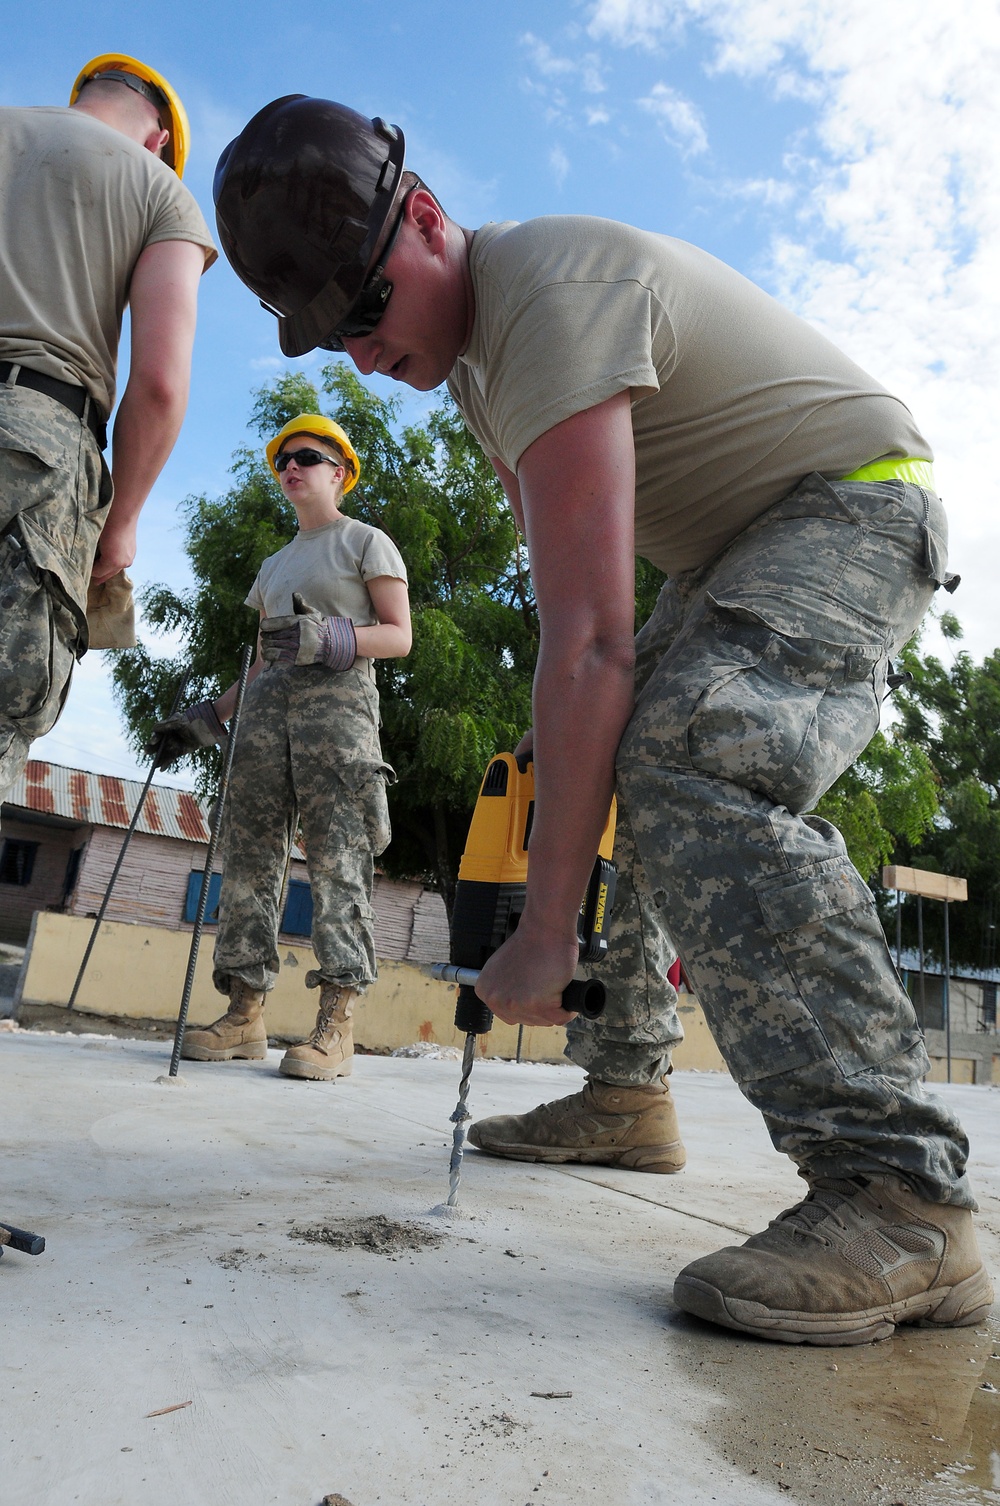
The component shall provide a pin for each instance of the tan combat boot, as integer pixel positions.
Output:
(329, 1051)
(844, 1267)
(239, 1033)
(604, 1125)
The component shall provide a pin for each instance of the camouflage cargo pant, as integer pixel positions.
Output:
(307, 751)
(54, 495)
(760, 679)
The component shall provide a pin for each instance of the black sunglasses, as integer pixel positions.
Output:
(301, 458)
(373, 300)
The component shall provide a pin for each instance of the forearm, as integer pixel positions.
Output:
(384, 640)
(582, 702)
(147, 425)
(163, 298)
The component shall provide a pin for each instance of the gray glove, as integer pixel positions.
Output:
(309, 638)
(197, 727)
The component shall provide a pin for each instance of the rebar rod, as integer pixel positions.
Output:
(213, 843)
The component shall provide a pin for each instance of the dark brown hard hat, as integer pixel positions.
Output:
(301, 196)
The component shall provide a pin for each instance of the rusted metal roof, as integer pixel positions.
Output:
(104, 800)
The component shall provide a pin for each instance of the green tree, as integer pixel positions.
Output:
(954, 714)
(888, 796)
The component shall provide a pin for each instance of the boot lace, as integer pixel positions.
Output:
(324, 1019)
(826, 1197)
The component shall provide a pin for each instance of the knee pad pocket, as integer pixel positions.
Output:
(827, 928)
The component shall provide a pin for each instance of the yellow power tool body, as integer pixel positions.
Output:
(493, 876)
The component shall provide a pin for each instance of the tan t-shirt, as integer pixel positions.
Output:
(329, 567)
(80, 203)
(734, 398)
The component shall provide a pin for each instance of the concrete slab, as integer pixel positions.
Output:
(435, 1375)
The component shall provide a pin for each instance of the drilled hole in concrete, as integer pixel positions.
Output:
(237, 1258)
(378, 1233)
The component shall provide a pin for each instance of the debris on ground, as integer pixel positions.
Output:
(501, 1424)
(429, 1051)
(380, 1234)
(335, 1500)
(236, 1258)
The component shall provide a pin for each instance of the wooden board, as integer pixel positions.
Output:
(922, 881)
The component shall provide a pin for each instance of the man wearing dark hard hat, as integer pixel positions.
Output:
(637, 396)
(94, 218)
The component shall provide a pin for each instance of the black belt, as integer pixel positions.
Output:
(68, 393)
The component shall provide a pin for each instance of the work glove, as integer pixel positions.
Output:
(111, 612)
(309, 638)
(198, 727)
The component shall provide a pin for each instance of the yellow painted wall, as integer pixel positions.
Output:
(963, 1069)
(137, 972)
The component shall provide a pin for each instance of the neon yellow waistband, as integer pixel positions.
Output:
(920, 472)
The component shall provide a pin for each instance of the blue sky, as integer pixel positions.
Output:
(842, 155)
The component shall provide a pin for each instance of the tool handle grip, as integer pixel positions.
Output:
(20, 1239)
(586, 997)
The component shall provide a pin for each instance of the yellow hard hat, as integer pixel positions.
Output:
(320, 427)
(152, 86)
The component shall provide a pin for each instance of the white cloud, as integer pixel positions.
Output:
(557, 76)
(544, 59)
(637, 23)
(772, 192)
(680, 120)
(890, 241)
(559, 163)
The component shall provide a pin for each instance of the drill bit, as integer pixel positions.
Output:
(581, 997)
(458, 1119)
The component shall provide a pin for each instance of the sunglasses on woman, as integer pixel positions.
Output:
(301, 458)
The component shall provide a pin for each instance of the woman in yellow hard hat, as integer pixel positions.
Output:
(331, 602)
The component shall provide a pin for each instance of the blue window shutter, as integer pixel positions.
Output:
(195, 880)
(298, 917)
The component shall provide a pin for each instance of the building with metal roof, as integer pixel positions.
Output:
(50, 789)
(61, 833)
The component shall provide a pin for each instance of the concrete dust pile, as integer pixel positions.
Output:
(380, 1234)
(236, 1259)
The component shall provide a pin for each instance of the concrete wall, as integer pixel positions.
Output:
(136, 974)
(975, 1056)
(965, 1001)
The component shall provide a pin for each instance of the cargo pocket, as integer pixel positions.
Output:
(828, 931)
(36, 637)
(702, 664)
(27, 439)
(366, 785)
(790, 722)
(936, 560)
